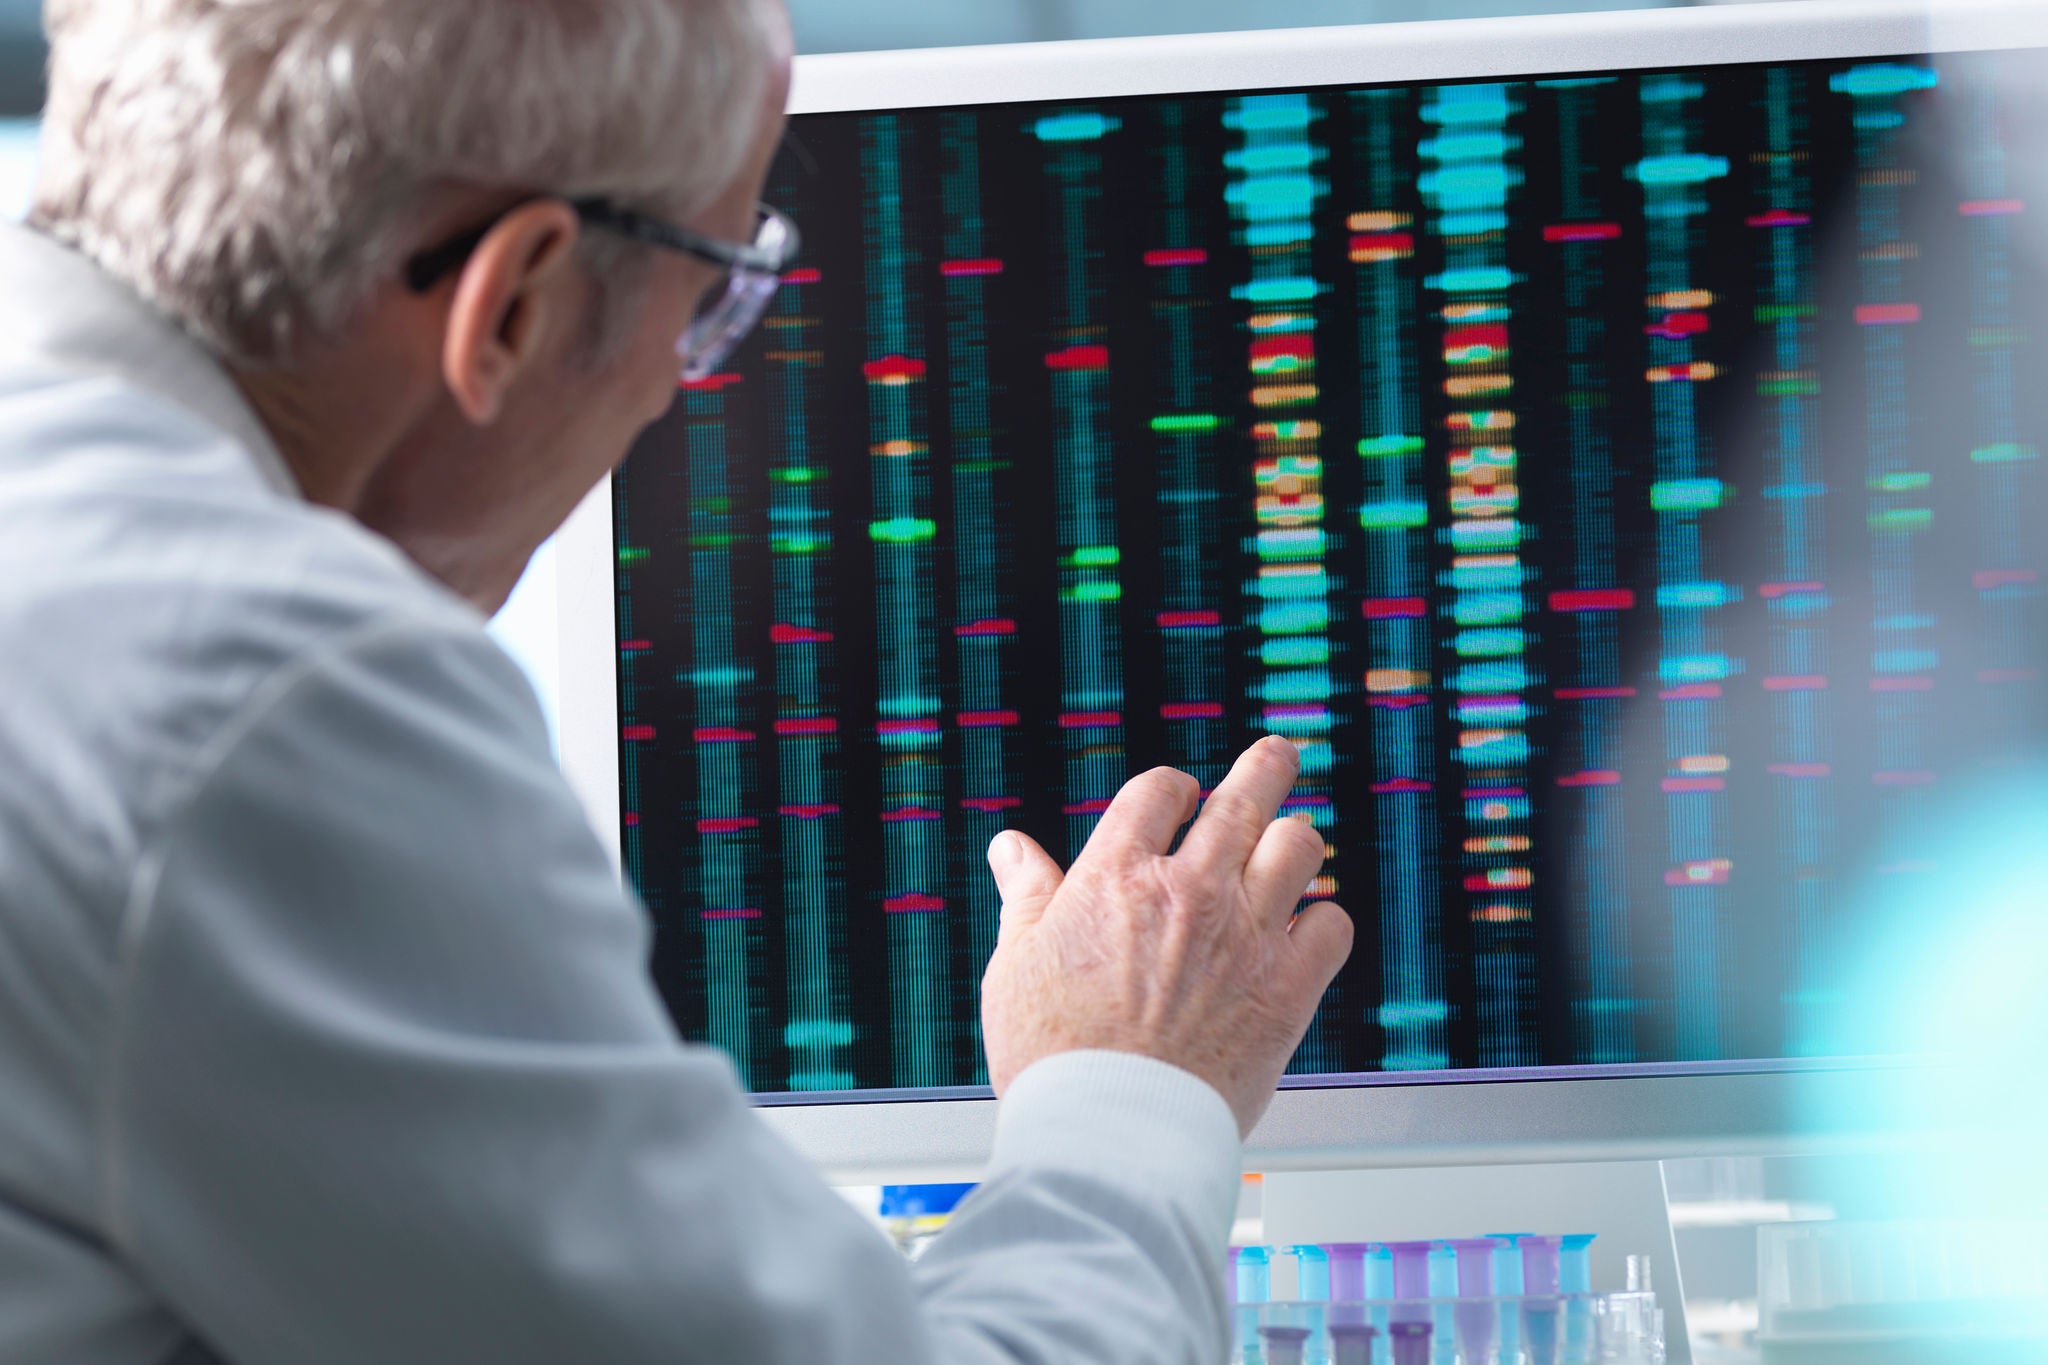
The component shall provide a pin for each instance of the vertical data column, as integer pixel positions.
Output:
(1692, 668)
(1186, 450)
(635, 732)
(1091, 587)
(1592, 691)
(1795, 597)
(984, 632)
(819, 1025)
(1394, 520)
(1903, 659)
(729, 853)
(907, 702)
(1272, 193)
(2006, 465)
(1467, 187)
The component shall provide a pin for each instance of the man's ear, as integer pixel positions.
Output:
(508, 302)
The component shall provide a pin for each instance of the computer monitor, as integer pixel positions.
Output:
(1607, 445)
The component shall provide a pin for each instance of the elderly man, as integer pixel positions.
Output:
(325, 1034)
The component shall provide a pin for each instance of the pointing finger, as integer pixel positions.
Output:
(1235, 816)
(1145, 813)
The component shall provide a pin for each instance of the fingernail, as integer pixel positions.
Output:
(1002, 852)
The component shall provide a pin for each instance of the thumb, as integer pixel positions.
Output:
(1026, 877)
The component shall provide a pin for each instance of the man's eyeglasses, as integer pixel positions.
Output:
(753, 271)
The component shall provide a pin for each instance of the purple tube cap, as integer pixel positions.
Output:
(1351, 1343)
(1475, 1265)
(1283, 1345)
(1411, 1268)
(1540, 1270)
(1347, 1269)
(1410, 1341)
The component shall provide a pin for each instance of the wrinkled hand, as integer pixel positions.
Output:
(1196, 959)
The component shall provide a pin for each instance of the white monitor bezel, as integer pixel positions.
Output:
(1388, 1122)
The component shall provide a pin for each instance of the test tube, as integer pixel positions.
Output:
(1252, 1279)
(1540, 1281)
(1575, 1263)
(1379, 1284)
(1443, 1271)
(1443, 1290)
(1639, 1282)
(1575, 1277)
(1507, 1283)
(1379, 1271)
(1251, 1283)
(1476, 1307)
(1410, 1342)
(1411, 1280)
(1311, 1273)
(1312, 1285)
(1507, 1262)
(1539, 1329)
(1351, 1343)
(1283, 1345)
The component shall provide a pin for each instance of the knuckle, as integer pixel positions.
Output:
(1170, 887)
(1259, 764)
(1139, 884)
(1234, 808)
(1304, 839)
(1156, 785)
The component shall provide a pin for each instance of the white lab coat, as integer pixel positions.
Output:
(325, 1031)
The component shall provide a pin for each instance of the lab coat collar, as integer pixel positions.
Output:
(63, 309)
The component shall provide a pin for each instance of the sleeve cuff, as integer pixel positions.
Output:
(1127, 1117)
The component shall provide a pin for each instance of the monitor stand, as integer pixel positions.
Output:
(1623, 1201)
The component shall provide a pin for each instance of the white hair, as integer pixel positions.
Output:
(252, 167)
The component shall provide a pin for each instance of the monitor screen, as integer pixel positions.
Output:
(1624, 489)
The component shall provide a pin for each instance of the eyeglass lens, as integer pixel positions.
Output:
(718, 329)
(734, 311)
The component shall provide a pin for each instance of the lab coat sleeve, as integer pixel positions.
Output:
(387, 1081)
